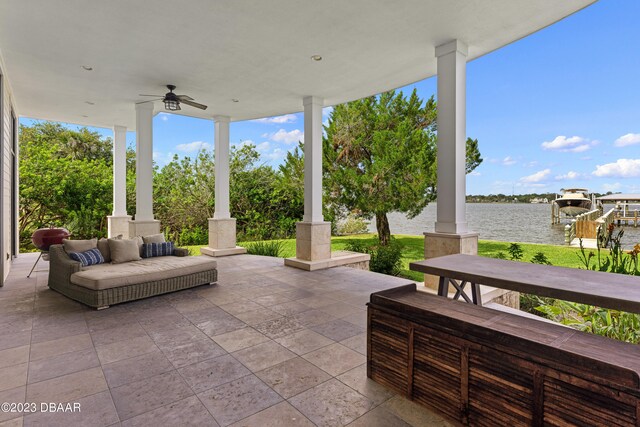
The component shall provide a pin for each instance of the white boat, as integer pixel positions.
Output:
(574, 201)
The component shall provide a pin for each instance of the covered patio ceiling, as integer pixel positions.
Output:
(253, 51)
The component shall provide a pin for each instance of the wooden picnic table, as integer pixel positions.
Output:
(608, 290)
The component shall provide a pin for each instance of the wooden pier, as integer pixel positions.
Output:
(626, 209)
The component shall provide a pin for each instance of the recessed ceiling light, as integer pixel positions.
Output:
(316, 57)
(89, 102)
(235, 100)
(87, 68)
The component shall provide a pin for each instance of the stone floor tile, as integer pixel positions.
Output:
(63, 364)
(119, 333)
(269, 300)
(14, 356)
(136, 368)
(13, 376)
(213, 372)
(192, 352)
(146, 395)
(60, 346)
(335, 359)
(172, 321)
(258, 316)
(357, 343)
(263, 356)
(317, 301)
(15, 339)
(222, 325)
(331, 404)
(280, 415)
(414, 414)
(120, 318)
(189, 412)
(173, 337)
(279, 327)
(95, 410)
(357, 379)
(16, 323)
(204, 315)
(293, 377)
(13, 395)
(298, 294)
(125, 349)
(238, 399)
(359, 318)
(15, 422)
(290, 308)
(193, 304)
(67, 388)
(241, 306)
(313, 317)
(379, 417)
(304, 341)
(338, 329)
(339, 309)
(48, 333)
(239, 339)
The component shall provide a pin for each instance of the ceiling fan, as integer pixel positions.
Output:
(172, 101)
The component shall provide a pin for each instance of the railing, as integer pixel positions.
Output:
(584, 226)
(603, 227)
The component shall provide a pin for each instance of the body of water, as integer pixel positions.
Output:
(508, 222)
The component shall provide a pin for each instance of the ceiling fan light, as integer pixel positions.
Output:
(171, 105)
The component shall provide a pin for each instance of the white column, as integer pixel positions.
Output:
(312, 159)
(452, 62)
(144, 162)
(222, 228)
(118, 222)
(119, 171)
(221, 146)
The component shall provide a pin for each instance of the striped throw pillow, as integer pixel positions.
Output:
(150, 250)
(90, 257)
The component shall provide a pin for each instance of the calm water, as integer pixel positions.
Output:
(508, 222)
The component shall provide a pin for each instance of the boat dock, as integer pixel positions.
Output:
(626, 209)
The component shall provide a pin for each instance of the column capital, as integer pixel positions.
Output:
(118, 128)
(452, 46)
(312, 100)
(144, 106)
(221, 119)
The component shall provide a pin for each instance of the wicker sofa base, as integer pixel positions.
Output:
(107, 297)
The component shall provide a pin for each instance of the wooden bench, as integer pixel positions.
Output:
(485, 367)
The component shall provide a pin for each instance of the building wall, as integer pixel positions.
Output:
(6, 192)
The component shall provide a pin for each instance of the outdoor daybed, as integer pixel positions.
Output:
(126, 278)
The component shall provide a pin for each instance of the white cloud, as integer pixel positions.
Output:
(287, 118)
(263, 146)
(611, 187)
(508, 161)
(193, 146)
(275, 155)
(243, 143)
(161, 159)
(290, 137)
(574, 144)
(474, 173)
(569, 176)
(622, 168)
(628, 139)
(163, 116)
(326, 111)
(536, 177)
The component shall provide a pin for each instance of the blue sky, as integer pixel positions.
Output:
(560, 108)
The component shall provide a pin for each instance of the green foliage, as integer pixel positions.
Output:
(266, 248)
(385, 259)
(352, 224)
(616, 260)
(65, 179)
(380, 156)
(500, 255)
(540, 258)
(515, 251)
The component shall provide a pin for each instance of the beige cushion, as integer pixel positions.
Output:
(139, 241)
(124, 250)
(103, 246)
(154, 238)
(106, 276)
(79, 245)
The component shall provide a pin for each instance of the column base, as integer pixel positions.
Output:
(222, 238)
(143, 227)
(336, 259)
(118, 224)
(313, 241)
(440, 244)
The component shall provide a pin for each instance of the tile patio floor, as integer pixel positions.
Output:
(267, 346)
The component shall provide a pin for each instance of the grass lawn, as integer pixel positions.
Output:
(413, 250)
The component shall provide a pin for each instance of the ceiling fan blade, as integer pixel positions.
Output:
(185, 98)
(151, 100)
(142, 94)
(194, 104)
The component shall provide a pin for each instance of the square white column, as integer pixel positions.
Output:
(118, 221)
(313, 159)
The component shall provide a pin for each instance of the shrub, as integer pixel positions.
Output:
(352, 225)
(384, 259)
(515, 251)
(540, 258)
(499, 255)
(266, 248)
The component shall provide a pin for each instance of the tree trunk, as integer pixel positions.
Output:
(382, 224)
